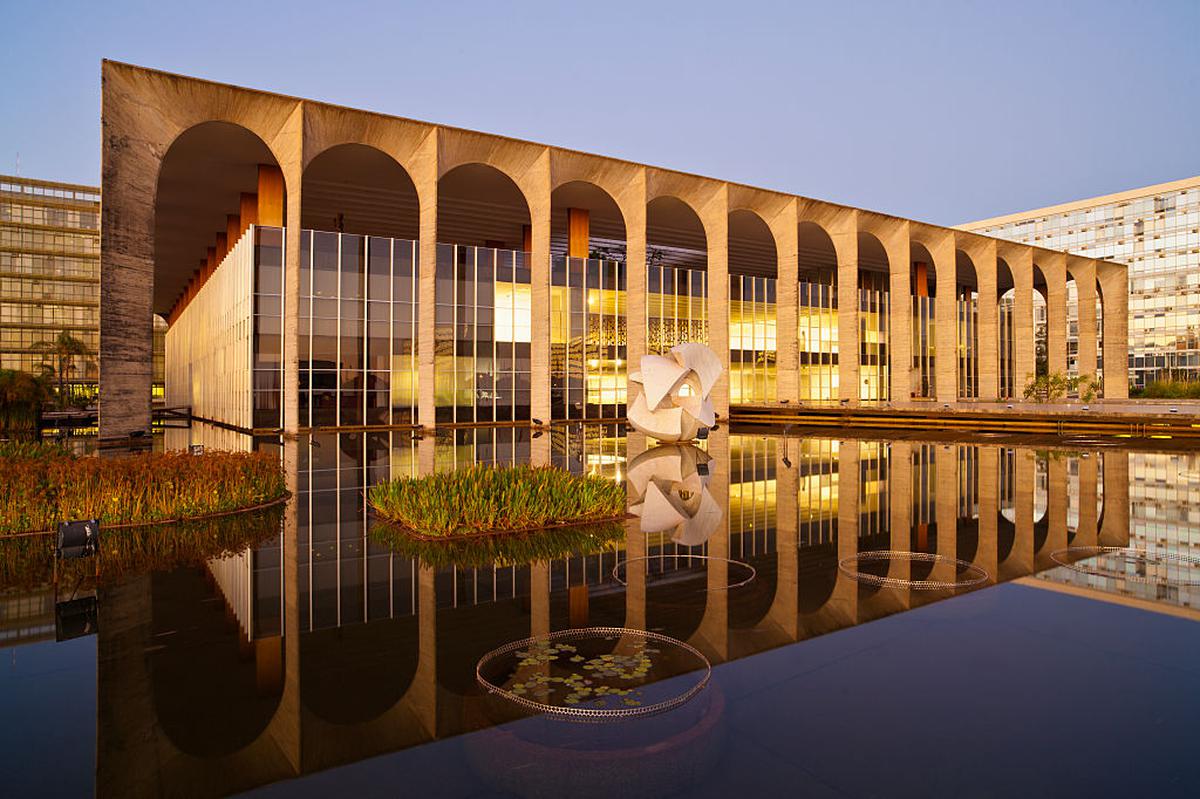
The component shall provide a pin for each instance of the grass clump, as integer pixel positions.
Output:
(486, 499)
(43, 487)
(514, 549)
(1169, 389)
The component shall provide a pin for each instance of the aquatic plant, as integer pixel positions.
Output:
(28, 562)
(487, 499)
(43, 488)
(515, 548)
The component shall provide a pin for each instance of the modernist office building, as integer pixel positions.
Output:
(1156, 232)
(50, 278)
(322, 266)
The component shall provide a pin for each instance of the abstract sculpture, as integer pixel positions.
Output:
(668, 489)
(673, 403)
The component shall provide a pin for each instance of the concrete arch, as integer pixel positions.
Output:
(199, 182)
(606, 220)
(469, 197)
(361, 189)
(753, 249)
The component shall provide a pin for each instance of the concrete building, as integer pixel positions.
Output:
(1155, 231)
(323, 267)
(50, 278)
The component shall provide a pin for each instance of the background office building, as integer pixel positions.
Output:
(50, 278)
(325, 267)
(1156, 232)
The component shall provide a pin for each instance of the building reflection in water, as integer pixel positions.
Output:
(332, 648)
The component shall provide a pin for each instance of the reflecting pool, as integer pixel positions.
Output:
(307, 652)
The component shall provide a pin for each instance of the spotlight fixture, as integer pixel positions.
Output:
(78, 539)
(196, 449)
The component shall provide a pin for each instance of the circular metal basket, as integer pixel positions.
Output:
(680, 556)
(1072, 557)
(973, 575)
(553, 644)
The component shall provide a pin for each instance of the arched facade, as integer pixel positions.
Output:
(364, 174)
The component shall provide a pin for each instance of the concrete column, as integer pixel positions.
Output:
(986, 551)
(1087, 533)
(1054, 268)
(1084, 273)
(945, 266)
(900, 494)
(784, 612)
(290, 146)
(900, 319)
(1024, 363)
(1056, 512)
(1114, 285)
(988, 323)
(715, 216)
(247, 210)
(1020, 561)
(1114, 527)
(425, 177)
(578, 229)
(634, 209)
(539, 350)
(129, 182)
(843, 230)
(844, 601)
(945, 499)
(785, 228)
(539, 598)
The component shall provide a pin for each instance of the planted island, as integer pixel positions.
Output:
(43, 485)
(481, 501)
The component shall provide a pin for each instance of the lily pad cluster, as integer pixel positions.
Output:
(574, 679)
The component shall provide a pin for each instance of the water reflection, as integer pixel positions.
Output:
(325, 646)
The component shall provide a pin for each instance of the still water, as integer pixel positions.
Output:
(312, 655)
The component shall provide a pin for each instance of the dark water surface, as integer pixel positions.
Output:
(322, 660)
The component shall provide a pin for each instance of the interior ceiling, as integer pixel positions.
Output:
(202, 177)
(478, 204)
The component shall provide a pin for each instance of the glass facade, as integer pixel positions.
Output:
(587, 338)
(482, 335)
(752, 340)
(817, 338)
(1156, 232)
(676, 307)
(874, 304)
(50, 279)
(358, 330)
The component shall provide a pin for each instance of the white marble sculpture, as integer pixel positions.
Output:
(668, 489)
(673, 403)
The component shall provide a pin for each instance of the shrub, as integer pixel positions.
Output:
(1171, 389)
(43, 488)
(479, 499)
(1055, 385)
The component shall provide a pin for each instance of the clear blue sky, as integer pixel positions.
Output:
(944, 112)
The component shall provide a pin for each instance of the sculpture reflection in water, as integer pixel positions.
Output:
(668, 490)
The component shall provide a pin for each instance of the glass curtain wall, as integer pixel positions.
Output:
(268, 326)
(923, 337)
(873, 318)
(817, 338)
(967, 311)
(587, 338)
(676, 307)
(358, 330)
(1007, 354)
(874, 517)
(482, 335)
(752, 340)
(345, 576)
(752, 495)
(817, 491)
